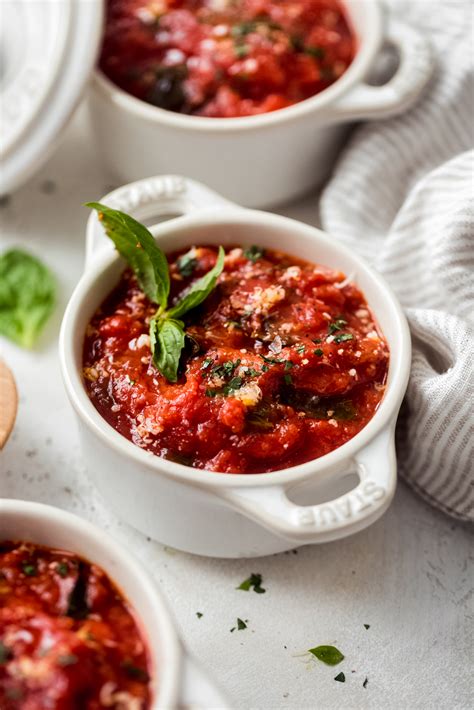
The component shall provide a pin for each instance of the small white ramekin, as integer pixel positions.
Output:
(177, 681)
(212, 513)
(260, 161)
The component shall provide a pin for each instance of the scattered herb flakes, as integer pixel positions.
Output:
(62, 569)
(136, 672)
(241, 625)
(186, 265)
(29, 569)
(343, 337)
(5, 653)
(68, 659)
(318, 352)
(317, 341)
(272, 360)
(232, 630)
(316, 52)
(366, 626)
(207, 363)
(336, 325)
(288, 379)
(364, 684)
(253, 582)
(254, 253)
(288, 365)
(327, 654)
(300, 349)
(241, 50)
(341, 678)
(199, 615)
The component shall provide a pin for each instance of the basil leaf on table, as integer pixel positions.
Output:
(327, 654)
(137, 246)
(168, 334)
(27, 296)
(200, 289)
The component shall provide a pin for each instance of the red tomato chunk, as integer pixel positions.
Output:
(68, 639)
(225, 58)
(284, 363)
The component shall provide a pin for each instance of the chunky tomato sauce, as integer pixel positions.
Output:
(283, 364)
(224, 58)
(68, 639)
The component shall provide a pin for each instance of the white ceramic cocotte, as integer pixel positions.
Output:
(263, 160)
(177, 680)
(233, 515)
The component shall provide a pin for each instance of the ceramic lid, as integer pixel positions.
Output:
(47, 52)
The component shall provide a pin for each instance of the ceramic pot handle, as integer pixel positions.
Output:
(416, 64)
(147, 199)
(197, 691)
(270, 506)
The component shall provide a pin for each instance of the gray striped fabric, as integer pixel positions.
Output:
(402, 195)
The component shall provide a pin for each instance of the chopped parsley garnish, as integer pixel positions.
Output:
(265, 368)
(364, 684)
(241, 625)
(226, 369)
(343, 337)
(62, 569)
(340, 677)
(199, 615)
(136, 672)
(207, 363)
(317, 341)
(29, 569)
(288, 379)
(272, 360)
(336, 325)
(327, 654)
(300, 349)
(68, 659)
(366, 626)
(318, 352)
(186, 265)
(235, 384)
(5, 653)
(288, 365)
(251, 372)
(241, 50)
(254, 253)
(253, 582)
(316, 52)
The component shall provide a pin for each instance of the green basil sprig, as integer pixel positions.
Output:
(137, 246)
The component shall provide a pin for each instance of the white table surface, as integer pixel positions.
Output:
(409, 576)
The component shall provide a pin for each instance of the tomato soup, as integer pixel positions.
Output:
(68, 639)
(283, 363)
(225, 58)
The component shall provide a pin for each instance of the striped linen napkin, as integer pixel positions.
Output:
(402, 196)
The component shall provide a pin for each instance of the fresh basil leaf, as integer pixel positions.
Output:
(27, 296)
(200, 289)
(137, 246)
(167, 341)
(327, 654)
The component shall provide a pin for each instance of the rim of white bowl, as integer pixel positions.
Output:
(366, 51)
(167, 686)
(399, 369)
